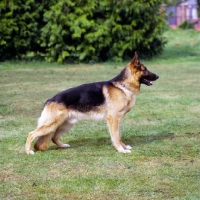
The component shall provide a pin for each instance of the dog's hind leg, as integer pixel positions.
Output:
(64, 128)
(43, 133)
(43, 142)
(52, 117)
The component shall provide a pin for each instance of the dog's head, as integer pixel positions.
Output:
(141, 72)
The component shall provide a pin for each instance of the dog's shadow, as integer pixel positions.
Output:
(133, 140)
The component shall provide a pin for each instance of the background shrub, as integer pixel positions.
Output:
(80, 30)
(186, 25)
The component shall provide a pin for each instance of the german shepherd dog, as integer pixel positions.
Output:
(107, 100)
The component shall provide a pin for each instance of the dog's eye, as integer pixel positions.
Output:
(143, 68)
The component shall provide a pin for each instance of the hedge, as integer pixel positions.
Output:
(80, 30)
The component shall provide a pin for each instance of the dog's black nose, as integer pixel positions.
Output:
(157, 76)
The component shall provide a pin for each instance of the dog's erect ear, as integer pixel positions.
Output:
(135, 58)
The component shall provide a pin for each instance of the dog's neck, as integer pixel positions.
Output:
(126, 80)
(122, 87)
(134, 87)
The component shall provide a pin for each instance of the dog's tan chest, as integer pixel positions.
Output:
(129, 96)
(130, 103)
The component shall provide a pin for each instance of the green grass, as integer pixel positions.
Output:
(163, 129)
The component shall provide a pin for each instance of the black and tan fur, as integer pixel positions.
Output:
(107, 100)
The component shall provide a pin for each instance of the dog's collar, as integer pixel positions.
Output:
(121, 86)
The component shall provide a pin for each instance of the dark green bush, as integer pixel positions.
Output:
(186, 25)
(20, 27)
(80, 30)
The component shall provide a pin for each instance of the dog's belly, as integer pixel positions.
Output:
(75, 116)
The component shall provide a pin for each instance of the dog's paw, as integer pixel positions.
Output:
(30, 152)
(65, 146)
(122, 150)
(128, 147)
(126, 151)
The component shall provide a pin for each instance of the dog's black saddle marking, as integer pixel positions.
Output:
(83, 98)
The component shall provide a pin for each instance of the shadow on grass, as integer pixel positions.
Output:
(133, 141)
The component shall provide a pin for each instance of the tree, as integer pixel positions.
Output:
(101, 30)
(20, 25)
(81, 30)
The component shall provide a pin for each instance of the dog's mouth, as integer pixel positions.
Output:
(147, 80)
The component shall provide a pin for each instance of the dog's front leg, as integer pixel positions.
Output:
(114, 129)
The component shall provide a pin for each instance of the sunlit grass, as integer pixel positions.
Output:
(163, 129)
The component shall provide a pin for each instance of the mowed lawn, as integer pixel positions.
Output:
(163, 128)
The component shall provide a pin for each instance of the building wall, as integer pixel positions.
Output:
(182, 12)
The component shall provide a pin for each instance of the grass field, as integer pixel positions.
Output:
(163, 128)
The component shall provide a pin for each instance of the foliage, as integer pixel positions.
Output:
(186, 25)
(19, 28)
(173, 2)
(81, 30)
(21, 22)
